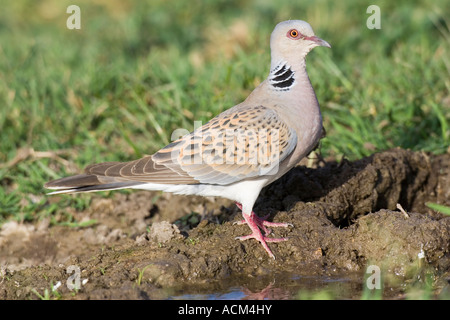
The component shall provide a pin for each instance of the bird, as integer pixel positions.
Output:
(238, 152)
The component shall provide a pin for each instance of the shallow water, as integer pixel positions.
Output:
(281, 287)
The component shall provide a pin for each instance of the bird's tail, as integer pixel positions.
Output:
(87, 183)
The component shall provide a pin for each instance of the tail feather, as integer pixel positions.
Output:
(87, 183)
(80, 180)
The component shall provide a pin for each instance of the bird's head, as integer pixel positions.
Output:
(293, 39)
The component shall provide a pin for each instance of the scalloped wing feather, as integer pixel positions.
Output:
(236, 145)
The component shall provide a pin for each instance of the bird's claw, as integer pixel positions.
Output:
(256, 223)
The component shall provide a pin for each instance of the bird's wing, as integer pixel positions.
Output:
(235, 145)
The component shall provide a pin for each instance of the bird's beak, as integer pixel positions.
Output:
(319, 41)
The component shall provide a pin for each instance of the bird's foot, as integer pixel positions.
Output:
(255, 222)
(263, 223)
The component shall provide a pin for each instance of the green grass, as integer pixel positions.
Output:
(141, 274)
(135, 72)
(439, 208)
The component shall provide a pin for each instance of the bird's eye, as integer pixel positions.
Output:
(293, 33)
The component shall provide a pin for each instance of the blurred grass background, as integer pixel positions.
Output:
(137, 70)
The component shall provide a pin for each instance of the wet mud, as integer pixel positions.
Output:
(149, 245)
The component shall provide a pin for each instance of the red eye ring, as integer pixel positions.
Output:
(293, 33)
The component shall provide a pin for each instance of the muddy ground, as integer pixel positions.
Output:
(149, 245)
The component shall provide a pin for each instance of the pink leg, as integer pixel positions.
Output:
(255, 222)
(262, 223)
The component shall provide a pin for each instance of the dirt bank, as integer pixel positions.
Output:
(149, 245)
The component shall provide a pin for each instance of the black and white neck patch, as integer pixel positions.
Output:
(282, 77)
